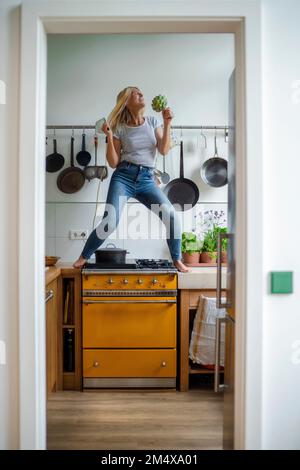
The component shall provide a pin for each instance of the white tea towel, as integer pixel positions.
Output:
(202, 344)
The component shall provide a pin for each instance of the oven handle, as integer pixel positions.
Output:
(129, 301)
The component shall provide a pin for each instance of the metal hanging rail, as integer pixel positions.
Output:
(88, 126)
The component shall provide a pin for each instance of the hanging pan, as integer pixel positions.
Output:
(55, 161)
(71, 179)
(214, 170)
(96, 171)
(83, 157)
(182, 191)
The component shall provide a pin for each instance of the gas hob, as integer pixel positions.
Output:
(140, 265)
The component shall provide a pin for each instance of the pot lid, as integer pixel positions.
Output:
(114, 249)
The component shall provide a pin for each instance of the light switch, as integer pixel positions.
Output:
(281, 282)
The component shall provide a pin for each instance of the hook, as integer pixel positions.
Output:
(226, 134)
(216, 150)
(204, 137)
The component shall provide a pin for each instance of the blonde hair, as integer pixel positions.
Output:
(120, 113)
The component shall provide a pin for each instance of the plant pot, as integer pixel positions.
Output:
(192, 258)
(208, 257)
(223, 256)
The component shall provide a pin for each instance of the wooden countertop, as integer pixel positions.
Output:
(54, 271)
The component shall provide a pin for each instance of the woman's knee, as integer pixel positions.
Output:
(108, 223)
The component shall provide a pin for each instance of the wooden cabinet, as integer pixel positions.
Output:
(51, 335)
(63, 316)
(69, 330)
(189, 299)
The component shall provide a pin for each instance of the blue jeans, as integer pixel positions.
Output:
(137, 181)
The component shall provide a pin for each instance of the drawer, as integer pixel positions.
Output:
(129, 281)
(129, 322)
(129, 363)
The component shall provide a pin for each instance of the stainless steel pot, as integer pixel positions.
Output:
(214, 170)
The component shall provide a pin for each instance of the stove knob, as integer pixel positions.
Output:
(125, 281)
(154, 281)
(110, 281)
(140, 281)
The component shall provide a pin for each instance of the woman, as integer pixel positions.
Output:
(132, 140)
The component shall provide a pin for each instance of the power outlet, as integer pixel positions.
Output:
(78, 234)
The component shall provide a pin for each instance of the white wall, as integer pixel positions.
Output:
(281, 366)
(85, 73)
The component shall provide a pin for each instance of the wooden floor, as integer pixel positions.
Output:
(133, 420)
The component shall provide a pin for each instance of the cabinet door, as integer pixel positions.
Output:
(129, 322)
(51, 335)
(129, 362)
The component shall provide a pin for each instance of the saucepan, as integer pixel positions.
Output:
(112, 255)
(214, 170)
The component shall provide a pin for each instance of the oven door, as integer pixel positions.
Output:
(129, 322)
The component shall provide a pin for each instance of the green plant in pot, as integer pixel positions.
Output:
(210, 245)
(223, 244)
(212, 228)
(209, 248)
(190, 247)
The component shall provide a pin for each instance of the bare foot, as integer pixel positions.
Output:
(79, 263)
(181, 267)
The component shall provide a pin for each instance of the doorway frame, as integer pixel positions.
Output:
(241, 18)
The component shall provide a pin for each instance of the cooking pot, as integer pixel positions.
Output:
(112, 255)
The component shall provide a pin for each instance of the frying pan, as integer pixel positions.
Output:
(55, 161)
(214, 170)
(83, 157)
(182, 191)
(71, 179)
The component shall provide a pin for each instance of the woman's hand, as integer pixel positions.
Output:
(106, 129)
(167, 115)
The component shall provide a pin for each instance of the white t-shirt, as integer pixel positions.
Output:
(138, 144)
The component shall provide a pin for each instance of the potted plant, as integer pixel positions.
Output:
(224, 243)
(209, 248)
(211, 224)
(190, 248)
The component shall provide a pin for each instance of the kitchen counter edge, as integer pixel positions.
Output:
(54, 271)
(198, 278)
